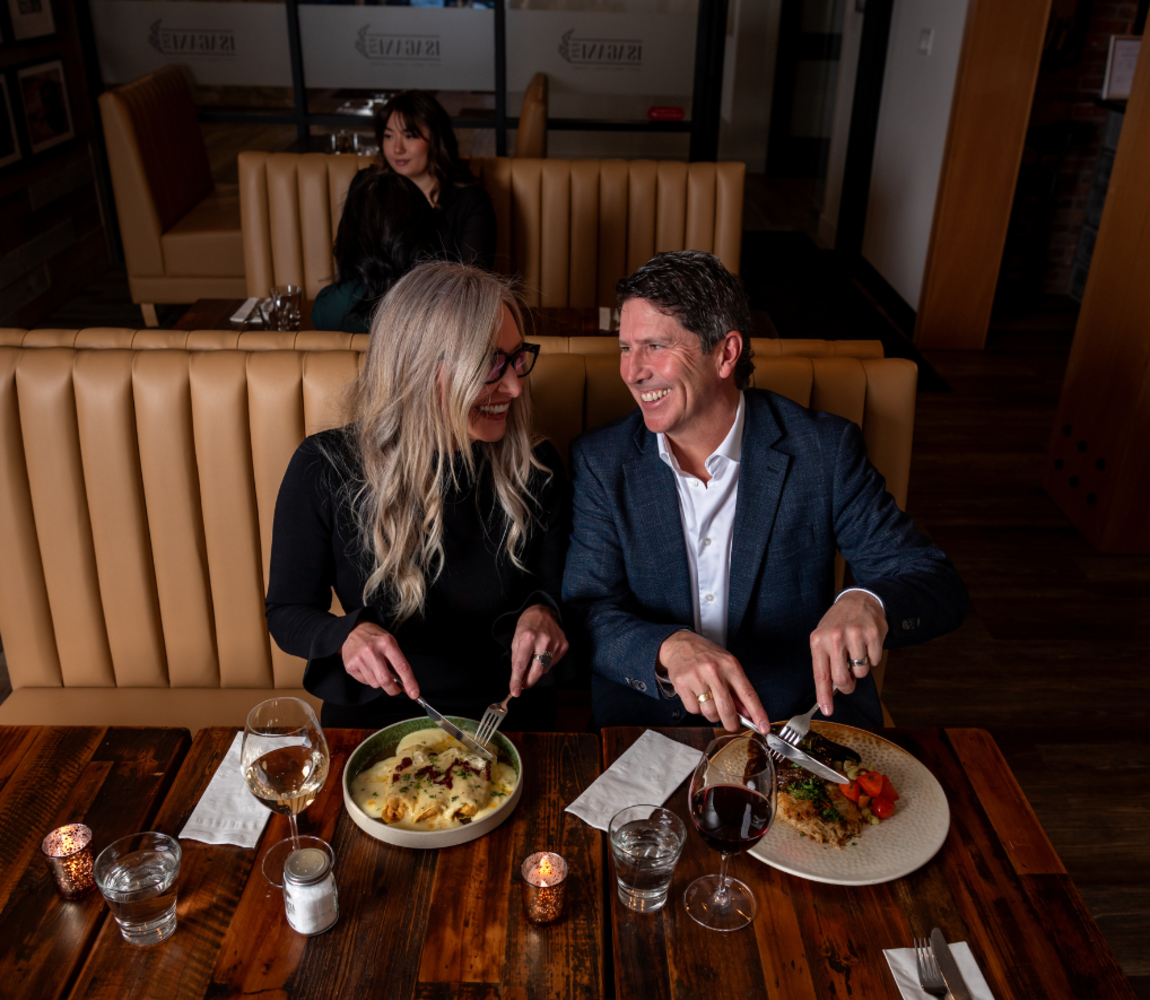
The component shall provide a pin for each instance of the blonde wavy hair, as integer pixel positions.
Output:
(436, 328)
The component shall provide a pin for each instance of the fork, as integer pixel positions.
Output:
(929, 974)
(491, 721)
(798, 726)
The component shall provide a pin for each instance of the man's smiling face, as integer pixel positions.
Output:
(677, 386)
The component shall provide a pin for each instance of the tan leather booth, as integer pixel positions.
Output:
(531, 132)
(569, 228)
(136, 497)
(181, 232)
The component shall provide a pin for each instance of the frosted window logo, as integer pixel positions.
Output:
(602, 53)
(378, 47)
(192, 41)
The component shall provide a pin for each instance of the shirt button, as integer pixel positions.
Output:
(710, 597)
(694, 482)
(706, 541)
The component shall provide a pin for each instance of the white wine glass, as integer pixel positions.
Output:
(285, 763)
(733, 802)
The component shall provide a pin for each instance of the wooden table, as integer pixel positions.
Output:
(996, 883)
(111, 779)
(214, 314)
(426, 924)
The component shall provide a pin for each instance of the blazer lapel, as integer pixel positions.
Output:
(762, 473)
(651, 498)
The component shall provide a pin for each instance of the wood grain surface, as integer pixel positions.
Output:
(996, 884)
(111, 779)
(424, 924)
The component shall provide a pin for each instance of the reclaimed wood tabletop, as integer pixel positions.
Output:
(421, 924)
(996, 883)
(113, 780)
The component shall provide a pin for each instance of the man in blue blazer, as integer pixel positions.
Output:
(701, 566)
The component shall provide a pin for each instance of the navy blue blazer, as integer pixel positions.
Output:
(805, 488)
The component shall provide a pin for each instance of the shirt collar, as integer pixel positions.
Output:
(730, 448)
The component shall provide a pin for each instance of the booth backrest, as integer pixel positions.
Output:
(569, 228)
(159, 164)
(531, 132)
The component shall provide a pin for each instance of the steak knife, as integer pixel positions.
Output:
(800, 757)
(954, 981)
(452, 729)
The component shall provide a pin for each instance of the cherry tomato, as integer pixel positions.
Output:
(888, 791)
(882, 808)
(871, 783)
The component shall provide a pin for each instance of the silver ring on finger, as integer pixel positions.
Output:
(544, 658)
(860, 663)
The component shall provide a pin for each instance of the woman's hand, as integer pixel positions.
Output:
(373, 657)
(536, 632)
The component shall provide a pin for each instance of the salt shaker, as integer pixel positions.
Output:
(310, 898)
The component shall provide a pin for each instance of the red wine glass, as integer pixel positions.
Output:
(733, 805)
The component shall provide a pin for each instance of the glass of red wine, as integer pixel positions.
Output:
(732, 804)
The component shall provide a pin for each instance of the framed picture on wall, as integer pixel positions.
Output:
(44, 95)
(1121, 62)
(9, 144)
(31, 18)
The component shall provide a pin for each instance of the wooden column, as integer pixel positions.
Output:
(1001, 51)
(1098, 466)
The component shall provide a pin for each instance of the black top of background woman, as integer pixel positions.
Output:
(416, 139)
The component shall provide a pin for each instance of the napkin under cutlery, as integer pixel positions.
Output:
(227, 812)
(648, 772)
(905, 972)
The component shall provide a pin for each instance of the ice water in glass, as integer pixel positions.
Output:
(646, 842)
(137, 877)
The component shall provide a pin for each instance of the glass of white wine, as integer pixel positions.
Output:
(285, 762)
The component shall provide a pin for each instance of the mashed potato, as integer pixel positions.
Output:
(432, 783)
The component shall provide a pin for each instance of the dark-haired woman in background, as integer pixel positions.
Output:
(386, 228)
(416, 140)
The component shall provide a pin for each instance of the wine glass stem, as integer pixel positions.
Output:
(295, 834)
(722, 894)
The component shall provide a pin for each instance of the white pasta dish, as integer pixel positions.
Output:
(432, 782)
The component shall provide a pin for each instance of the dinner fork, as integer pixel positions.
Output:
(491, 721)
(929, 974)
(799, 726)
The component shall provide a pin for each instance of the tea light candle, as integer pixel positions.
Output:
(68, 851)
(544, 887)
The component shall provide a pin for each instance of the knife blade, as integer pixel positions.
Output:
(950, 972)
(800, 757)
(452, 729)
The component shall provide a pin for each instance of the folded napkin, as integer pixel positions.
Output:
(651, 769)
(905, 972)
(227, 812)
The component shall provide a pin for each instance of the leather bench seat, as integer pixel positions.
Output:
(137, 489)
(207, 241)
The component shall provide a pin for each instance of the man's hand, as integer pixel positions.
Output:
(696, 666)
(373, 657)
(852, 629)
(536, 632)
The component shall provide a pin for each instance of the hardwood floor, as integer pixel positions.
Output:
(1053, 657)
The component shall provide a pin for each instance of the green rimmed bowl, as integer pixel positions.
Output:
(379, 746)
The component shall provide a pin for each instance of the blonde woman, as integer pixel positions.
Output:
(436, 515)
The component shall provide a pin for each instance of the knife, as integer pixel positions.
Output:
(954, 981)
(452, 729)
(800, 757)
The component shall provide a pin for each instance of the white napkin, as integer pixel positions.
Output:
(650, 770)
(227, 812)
(905, 972)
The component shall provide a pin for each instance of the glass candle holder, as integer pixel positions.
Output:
(68, 851)
(544, 888)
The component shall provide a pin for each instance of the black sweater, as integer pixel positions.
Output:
(459, 649)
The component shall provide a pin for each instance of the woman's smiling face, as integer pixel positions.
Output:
(487, 418)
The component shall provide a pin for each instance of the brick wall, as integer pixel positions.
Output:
(1062, 147)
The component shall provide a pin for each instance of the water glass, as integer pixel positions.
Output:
(646, 842)
(286, 307)
(137, 877)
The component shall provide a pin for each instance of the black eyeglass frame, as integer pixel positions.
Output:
(532, 350)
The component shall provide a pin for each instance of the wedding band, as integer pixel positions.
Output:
(859, 663)
(705, 697)
(544, 658)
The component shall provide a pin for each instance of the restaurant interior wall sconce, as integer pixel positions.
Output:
(544, 888)
(68, 851)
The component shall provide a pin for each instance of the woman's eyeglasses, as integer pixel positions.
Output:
(522, 360)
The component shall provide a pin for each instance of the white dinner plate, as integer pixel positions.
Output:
(894, 848)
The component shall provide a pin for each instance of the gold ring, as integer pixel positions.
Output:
(705, 697)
